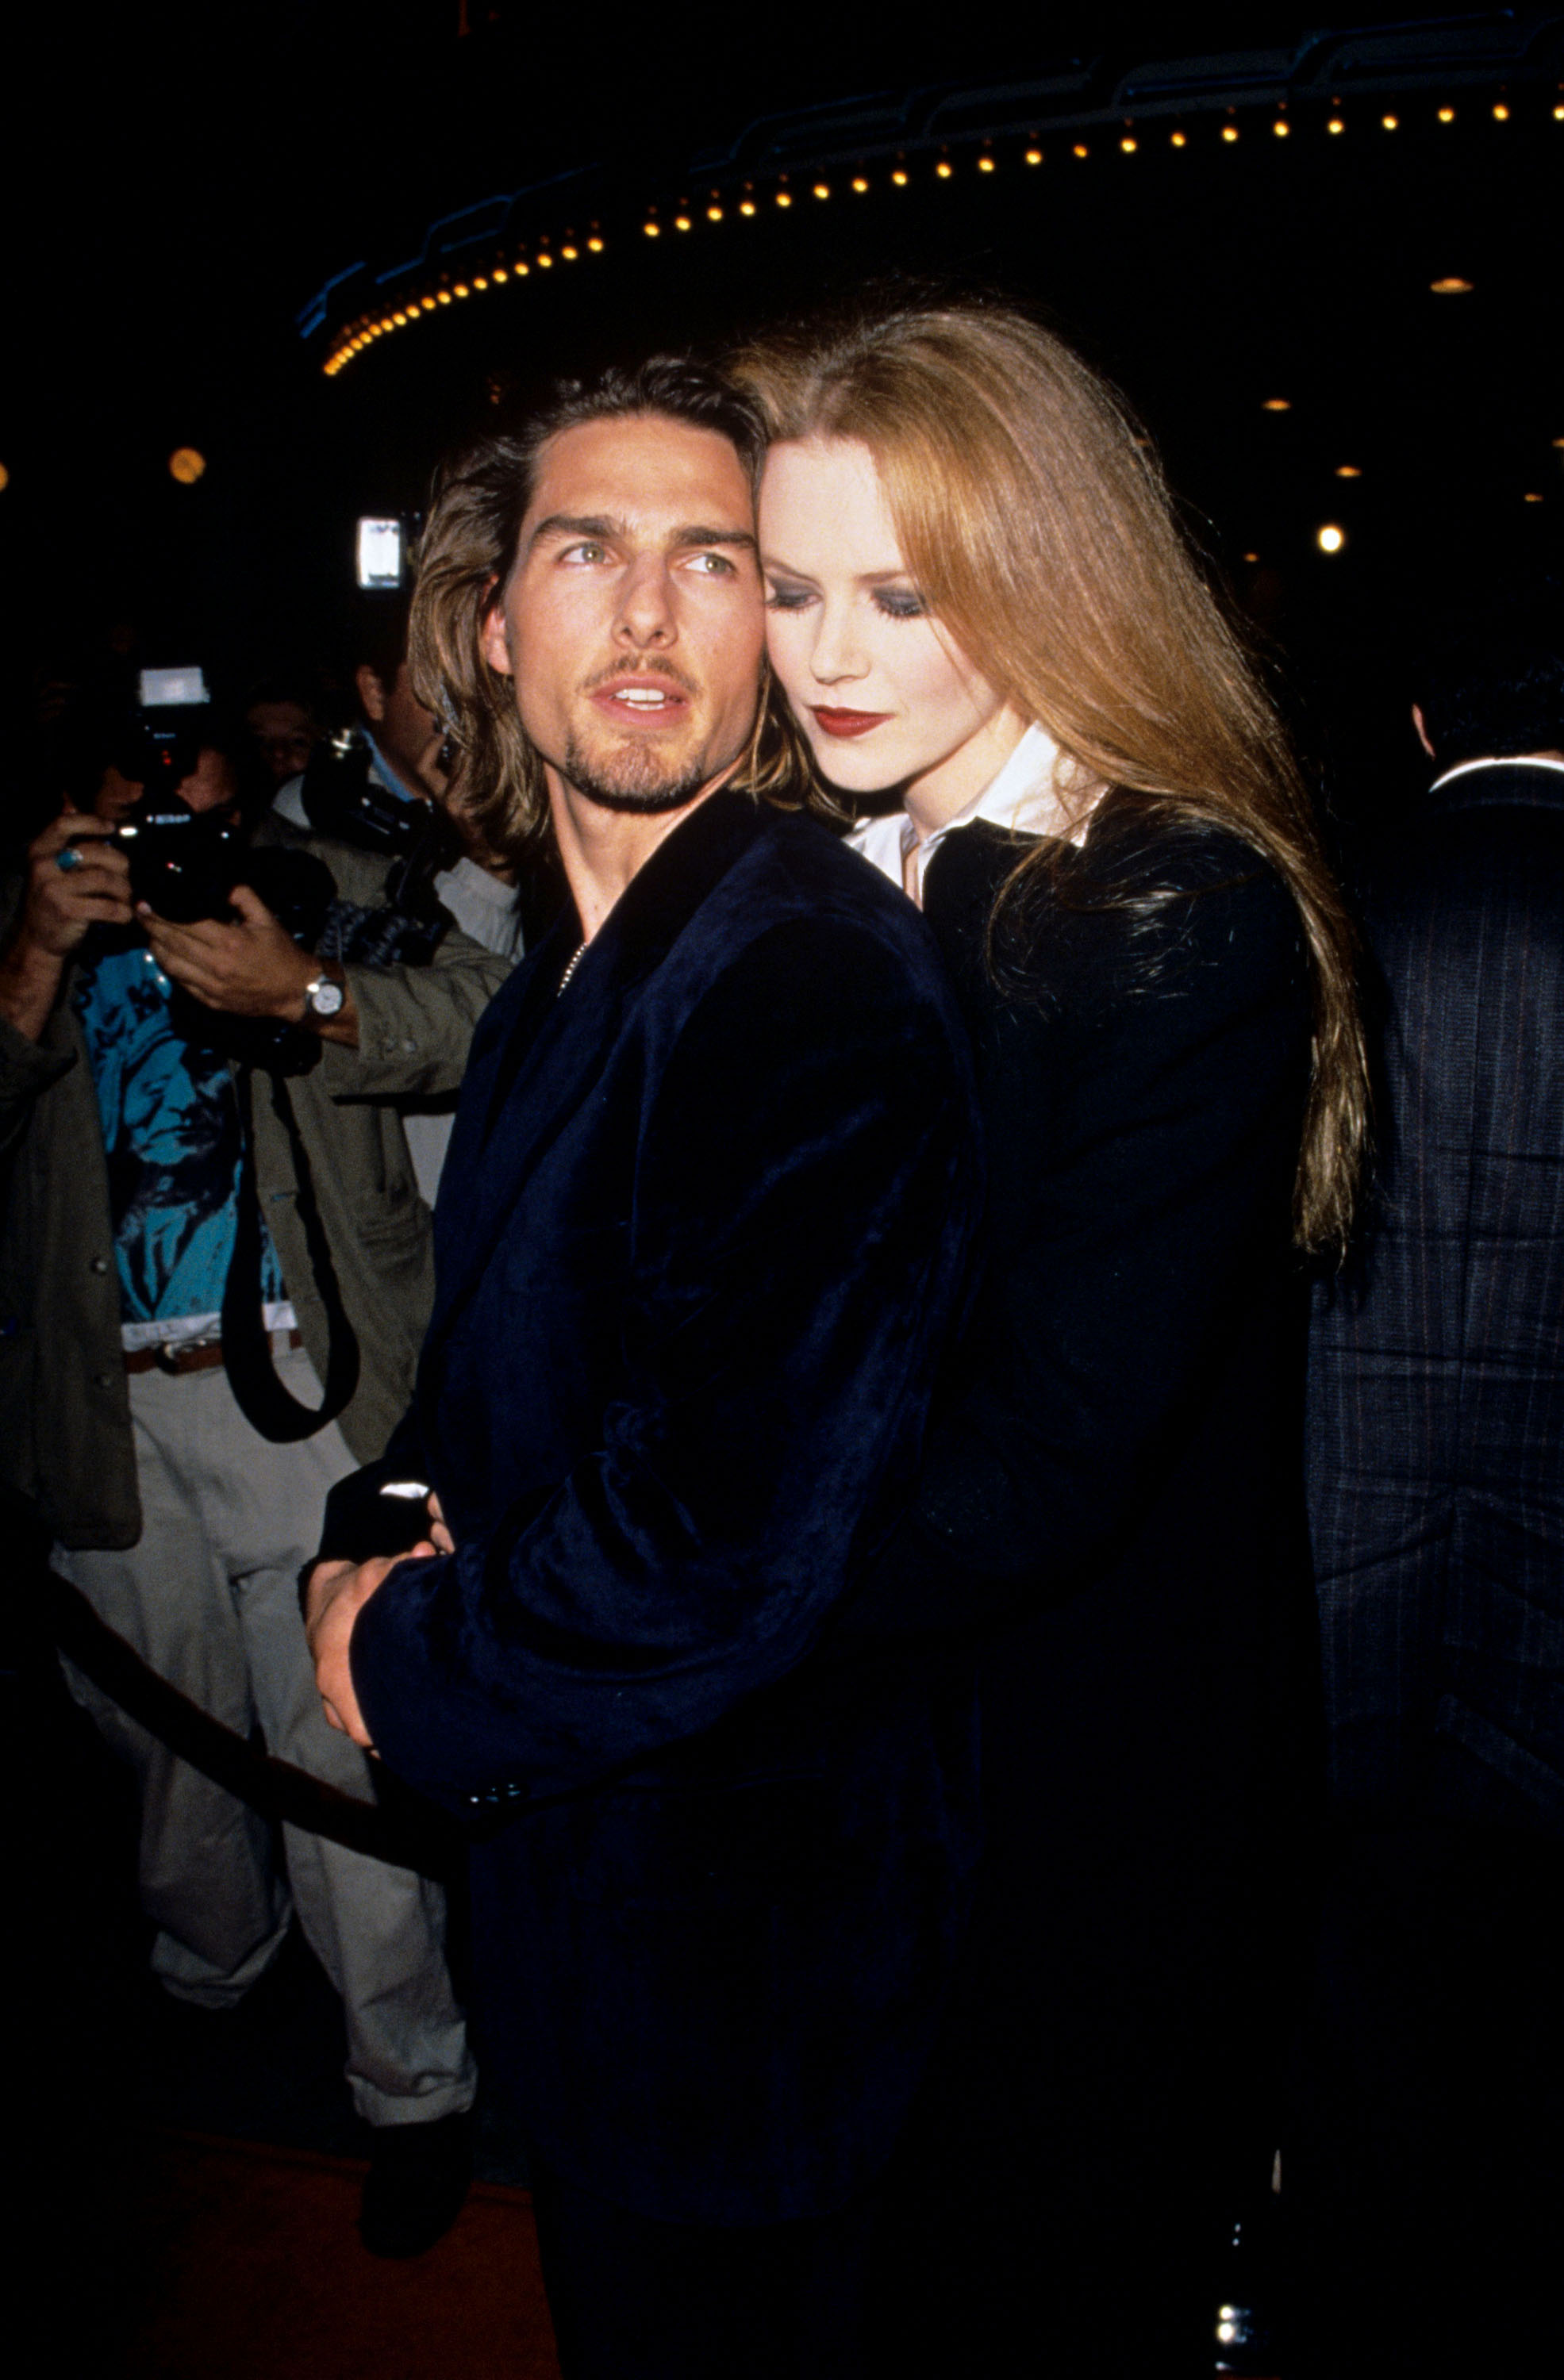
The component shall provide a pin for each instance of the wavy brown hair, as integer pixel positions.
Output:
(1037, 526)
(465, 555)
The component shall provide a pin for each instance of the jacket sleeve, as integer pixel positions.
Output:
(415, 1024)
(1179, 1114)
(801, 1211)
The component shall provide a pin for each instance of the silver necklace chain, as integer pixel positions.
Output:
(575, 963)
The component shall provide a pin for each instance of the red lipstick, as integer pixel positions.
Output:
(848, 723)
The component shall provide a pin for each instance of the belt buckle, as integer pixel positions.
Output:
(170, 1358)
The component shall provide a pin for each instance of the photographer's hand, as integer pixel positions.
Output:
(250, 966)
(92, 889)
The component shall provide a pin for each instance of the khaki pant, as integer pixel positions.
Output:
(209, 1599)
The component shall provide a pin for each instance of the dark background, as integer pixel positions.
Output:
(193, 175)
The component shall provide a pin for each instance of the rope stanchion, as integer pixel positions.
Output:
(413, 1834)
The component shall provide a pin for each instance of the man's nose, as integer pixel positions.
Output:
(646, 615)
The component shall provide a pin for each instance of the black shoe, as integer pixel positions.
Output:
(417, 2180)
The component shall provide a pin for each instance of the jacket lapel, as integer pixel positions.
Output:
(548, 1046)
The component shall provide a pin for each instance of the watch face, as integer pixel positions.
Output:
(324, 997)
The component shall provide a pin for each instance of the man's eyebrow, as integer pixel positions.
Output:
(599, 525)
(605, 526)
(697, 535)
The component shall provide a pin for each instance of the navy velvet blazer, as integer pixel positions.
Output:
(1437, 1365)
(701, 1232)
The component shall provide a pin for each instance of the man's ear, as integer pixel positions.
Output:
(1423, 732)
(492, 640)
(372, 693)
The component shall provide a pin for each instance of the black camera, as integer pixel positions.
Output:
(184, 863)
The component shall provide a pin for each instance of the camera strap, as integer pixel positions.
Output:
(246, 1347)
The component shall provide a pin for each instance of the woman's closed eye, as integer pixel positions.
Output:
(787, 595)
(900, 602)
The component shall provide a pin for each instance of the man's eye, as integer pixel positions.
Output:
(586, 551)
(713, 565)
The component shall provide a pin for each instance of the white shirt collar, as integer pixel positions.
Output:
(1020, 800)
(1521, 761)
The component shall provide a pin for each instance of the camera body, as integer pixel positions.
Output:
(184, 863)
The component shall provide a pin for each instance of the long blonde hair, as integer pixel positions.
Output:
(1038, 528)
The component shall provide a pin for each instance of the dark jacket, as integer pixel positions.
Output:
(700, 1234)
(1437, 1374)
(1114, 1492)
(65, 1411)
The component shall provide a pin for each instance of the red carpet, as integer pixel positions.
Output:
(254, 2272)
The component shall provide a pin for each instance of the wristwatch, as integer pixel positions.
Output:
(323, 998)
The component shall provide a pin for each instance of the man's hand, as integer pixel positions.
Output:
(336, 1593)
(92, 889)
(248, 967)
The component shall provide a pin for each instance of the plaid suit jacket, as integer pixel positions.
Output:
(1436, 1437)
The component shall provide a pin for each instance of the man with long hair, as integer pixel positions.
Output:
(700, 1236)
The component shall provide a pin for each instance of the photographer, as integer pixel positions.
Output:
(394, 766)
(124, 1412)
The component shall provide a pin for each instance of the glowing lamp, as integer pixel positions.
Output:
(783, 198)
(985, 165)
(1229, 131)
(900, 178)
(570, 254)
(1034, 156)
(460, 289)
(746, 206)
(1348, 471)
(1534, 499)
(1501, 114)
(1447, 115)
(1080, 150)
(1177, 139)
(823, 189)
(1451, 285)
(1330, 538)
(859, 184)
(1281, 127)
(1336, 124)
(652, 230)
(595, 247)
(944, 171)
(187, 465)
(1129, 144)
(1277, 405)
(1391, 123)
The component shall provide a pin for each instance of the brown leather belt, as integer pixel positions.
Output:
(204, 1356)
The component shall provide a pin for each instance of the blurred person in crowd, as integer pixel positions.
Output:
(283, 728)
(1428, 2173)
(700, 1243)
(979, 599)
(398, 761)
(181, 1508)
